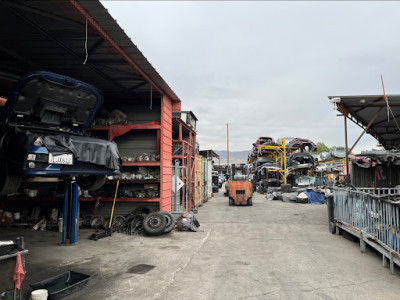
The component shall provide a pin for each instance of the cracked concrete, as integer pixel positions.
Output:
(272, 250)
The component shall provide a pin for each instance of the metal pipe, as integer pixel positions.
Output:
(227, 144)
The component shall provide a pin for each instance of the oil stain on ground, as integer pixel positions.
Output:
(140, 269)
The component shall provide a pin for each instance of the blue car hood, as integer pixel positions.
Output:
(48, 100)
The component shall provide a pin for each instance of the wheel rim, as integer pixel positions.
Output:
(154, 222)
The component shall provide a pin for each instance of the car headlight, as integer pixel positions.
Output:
(31, 157)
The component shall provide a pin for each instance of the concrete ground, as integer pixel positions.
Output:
(271, 250)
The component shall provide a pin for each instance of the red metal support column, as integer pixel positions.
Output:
(348, 181)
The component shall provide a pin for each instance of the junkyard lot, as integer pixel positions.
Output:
(271, 250)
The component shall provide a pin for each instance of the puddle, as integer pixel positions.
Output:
(141, 269)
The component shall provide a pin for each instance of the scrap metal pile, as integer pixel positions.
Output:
(369, 159)
(288, 169)
(136, 222)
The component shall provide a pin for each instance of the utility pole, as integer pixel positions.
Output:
(227, 144)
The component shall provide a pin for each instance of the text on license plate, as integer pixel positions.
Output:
(62, 159)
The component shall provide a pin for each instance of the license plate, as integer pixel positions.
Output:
(62, 159)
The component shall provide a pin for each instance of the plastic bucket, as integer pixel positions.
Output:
(39, 295)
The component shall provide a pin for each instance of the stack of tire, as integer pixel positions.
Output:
(157, 223)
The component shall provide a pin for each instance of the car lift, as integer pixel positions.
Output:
(70, 214)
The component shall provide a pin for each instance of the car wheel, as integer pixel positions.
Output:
(91, 182)
(250, 202)
(230, 201)
(9, 183)
(154, 223)
(169, 218)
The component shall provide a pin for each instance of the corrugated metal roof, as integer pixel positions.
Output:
(363, 109)
(50, 35)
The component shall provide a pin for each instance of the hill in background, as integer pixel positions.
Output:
(235, 157)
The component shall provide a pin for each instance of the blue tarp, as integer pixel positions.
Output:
(315, 198)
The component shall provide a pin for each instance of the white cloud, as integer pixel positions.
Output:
(267, 67)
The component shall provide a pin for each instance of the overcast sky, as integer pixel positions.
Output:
(266, 68)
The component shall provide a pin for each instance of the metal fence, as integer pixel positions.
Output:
(374, 218)
(380, 191)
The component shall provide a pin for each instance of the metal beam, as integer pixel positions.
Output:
(62, 45)
(92, 22)
(95, 46)
(19, 58)
(366, 129)
(385, 120)
(347, 152)
(138, 86)
(43, 13)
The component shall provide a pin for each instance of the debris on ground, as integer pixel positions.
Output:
(138, 221)
(188, 222)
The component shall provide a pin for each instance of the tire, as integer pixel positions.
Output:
(169, 218)
(230, 201)
(154, 224)
(9, 183)
(250, 202)
(91, 182)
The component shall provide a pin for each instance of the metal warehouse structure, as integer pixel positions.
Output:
(80, 39)
(371, 211)
(375, 114)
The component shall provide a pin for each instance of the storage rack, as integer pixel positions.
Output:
(184, 149)
(149, 130)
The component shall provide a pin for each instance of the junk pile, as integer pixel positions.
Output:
(141, 157)
(35, 218)
(296, 195)
(115, 117)
(308, 189)
(143, 173)
(188, 222)
(138, 221)
(369, 159)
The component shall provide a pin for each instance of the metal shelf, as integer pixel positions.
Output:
(141, 163)
(137, 127)
(134, 181)
(111, 199)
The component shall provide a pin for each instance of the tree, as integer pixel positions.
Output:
(321, 147)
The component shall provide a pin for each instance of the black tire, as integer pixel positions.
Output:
(154, 223)
(230, 201)
(91, 182)
(170, 221)
(250, 202)
(9, 183)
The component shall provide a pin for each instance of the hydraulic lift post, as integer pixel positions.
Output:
(70, 214)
